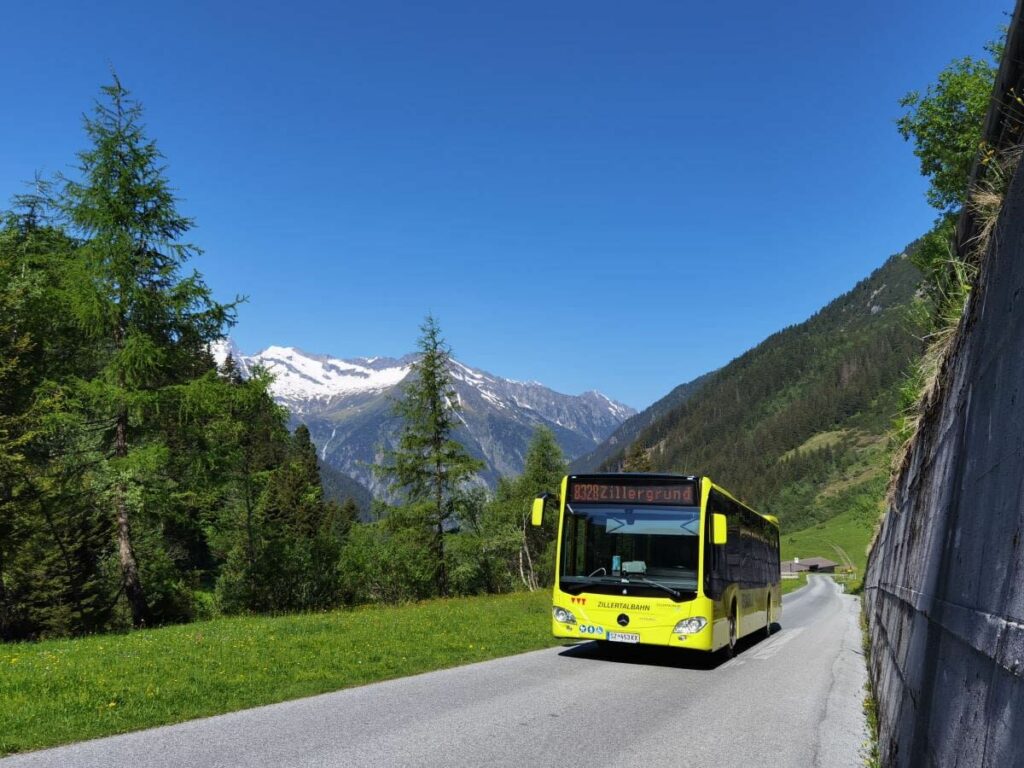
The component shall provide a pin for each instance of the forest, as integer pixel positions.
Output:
(141, 484)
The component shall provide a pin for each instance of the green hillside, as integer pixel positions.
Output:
(797, 425)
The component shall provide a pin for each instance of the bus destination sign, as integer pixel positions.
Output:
(594, 492)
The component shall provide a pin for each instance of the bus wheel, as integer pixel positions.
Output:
(730, 649)
(768, 619)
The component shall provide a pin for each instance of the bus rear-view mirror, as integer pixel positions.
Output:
(719, 530)
(537, 513)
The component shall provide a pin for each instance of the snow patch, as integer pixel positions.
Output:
(298, 376)
(323, 451)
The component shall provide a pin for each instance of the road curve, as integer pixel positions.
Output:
(791, 700)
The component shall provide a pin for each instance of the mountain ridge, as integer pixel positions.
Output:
(347, 406)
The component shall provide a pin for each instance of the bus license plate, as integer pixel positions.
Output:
(623, 637)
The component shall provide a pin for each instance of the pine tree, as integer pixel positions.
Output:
(429, 465)
(229, 370)
(543, 471)
(14, 346)
(248, 440)
(285, 555)
(341, 517)
(637, 459)
(52, 538)
(152, 323)
(294, 499)
(528, 551)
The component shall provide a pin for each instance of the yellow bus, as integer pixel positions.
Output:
(669, 560)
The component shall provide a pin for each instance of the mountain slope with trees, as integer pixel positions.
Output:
(800, 421)
(630, 429)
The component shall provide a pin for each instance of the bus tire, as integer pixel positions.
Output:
(768, 619)
(729, 651)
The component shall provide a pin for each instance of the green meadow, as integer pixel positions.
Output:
(54, 692)
(843, 538)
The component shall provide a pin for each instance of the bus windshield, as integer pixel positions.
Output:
(647, 549)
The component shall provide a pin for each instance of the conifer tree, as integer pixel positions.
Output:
(525, 551)
(250, 439)
(637, 459)
(543, 471)
(229, 370)
(286, 555)
(152, 323)
(14, 345)
(341, 517)
(52, 539)
(429, 465)
(294, 500)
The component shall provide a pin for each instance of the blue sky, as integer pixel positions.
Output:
(597, 195)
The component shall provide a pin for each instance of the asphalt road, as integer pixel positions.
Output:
(792, 700)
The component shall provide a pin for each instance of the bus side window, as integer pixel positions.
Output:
(735, 559)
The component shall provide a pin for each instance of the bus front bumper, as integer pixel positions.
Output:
(660, 634)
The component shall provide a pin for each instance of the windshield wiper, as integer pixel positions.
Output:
(665, 587)
(590, 581)
(618, 580)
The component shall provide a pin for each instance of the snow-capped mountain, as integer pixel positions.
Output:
(309, 383)
(347, 405)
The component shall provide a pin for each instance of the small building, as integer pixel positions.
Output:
(793, 566)
(808, 564)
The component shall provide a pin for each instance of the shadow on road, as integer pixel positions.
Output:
(658, 656)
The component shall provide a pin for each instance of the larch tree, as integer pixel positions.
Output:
(428, 466)
(152, 322)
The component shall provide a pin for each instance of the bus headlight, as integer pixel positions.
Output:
(563, 615)
(690, 626)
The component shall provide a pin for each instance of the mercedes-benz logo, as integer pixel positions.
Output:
(623, 619)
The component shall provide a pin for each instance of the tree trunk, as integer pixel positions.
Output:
(529, 566)
(522, 573)
(250, 527)
(442, 571)
(4, 610)
(529, 578)
(126, 552)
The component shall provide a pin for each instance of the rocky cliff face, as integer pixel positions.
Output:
(944, 591)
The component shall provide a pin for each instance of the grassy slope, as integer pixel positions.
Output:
(54, 692)
(852, 502)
